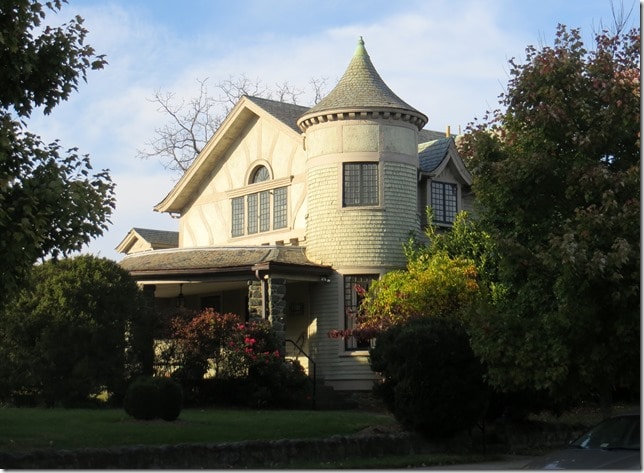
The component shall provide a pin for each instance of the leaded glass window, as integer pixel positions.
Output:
(360, 184)
(444, 200)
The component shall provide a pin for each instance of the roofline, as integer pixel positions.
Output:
(310, 271)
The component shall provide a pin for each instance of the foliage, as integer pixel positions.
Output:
(63, 337)
(277, 383)
(557, 176)
(243, 359)
(432, 381)
(150, 398)
(50, 203)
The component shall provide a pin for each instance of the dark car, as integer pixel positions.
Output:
(613, 444)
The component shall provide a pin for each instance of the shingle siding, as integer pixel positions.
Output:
(368, 236)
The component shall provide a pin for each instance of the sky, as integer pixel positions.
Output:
(447, 58)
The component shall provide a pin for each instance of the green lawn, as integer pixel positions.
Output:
(28, 428)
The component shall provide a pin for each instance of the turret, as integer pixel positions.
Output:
(361, 143)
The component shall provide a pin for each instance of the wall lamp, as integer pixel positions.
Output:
(325, 280)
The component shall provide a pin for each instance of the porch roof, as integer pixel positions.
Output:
(221, 261)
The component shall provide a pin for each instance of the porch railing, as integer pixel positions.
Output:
(312, 372)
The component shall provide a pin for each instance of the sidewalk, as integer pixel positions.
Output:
(509, 462)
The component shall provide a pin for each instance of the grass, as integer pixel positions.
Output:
(23, 429)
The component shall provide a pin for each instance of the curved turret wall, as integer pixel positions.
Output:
(361, 236)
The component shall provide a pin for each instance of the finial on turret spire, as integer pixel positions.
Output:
(360, 50)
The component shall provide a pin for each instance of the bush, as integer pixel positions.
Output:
(170, 398)
(244, 359)
(433, 383)
(150, 398)
(63, 335)
(277, 383)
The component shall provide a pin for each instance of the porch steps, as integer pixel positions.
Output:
(327, 398)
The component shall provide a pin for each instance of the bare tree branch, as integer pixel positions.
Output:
(190, 124)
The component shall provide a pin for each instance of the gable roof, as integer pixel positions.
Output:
(361, 89)
(287, 113)
(157, 239)
(246, 109)
(432, 153)
(435, 155)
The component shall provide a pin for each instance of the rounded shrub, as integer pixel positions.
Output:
(170, 398)
(432, 381)
(150, 398)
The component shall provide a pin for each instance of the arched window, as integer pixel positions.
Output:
(259, 211)
(260, 174)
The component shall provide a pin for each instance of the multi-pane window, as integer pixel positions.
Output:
(261, 211)
(238, 216)
(354, 287)
(279, 207)
(444, 198)
(360, 184)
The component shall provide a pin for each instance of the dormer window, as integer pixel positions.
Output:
(261, 206)
(444, 198)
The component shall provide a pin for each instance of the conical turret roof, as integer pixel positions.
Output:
(361, 89)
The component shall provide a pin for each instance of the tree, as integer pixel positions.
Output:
(64, 336)
(50, 203)
(556, 174)
(192, 123)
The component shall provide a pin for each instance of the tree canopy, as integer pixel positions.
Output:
(557, 178)
(67, 334)
(50, 201)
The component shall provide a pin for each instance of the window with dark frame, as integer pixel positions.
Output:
(354, 287)
(238, 216)
(444, 201)
(360, 184)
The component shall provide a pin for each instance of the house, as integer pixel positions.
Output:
(287, 208)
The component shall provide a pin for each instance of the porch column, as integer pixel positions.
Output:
(277, 309)
(145, 345)
(255, 300)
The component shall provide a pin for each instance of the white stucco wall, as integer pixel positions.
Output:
(207, 220)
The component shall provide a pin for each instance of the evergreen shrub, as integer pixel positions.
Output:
(149, 398)
(433, 382)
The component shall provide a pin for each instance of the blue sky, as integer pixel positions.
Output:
(447, 58)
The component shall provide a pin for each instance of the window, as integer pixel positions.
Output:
(238, 216)
(260, 174)
(354, 287)
(360, 184)
(260, 211)
(444, 202)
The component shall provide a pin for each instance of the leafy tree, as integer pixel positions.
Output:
(63, 337)
(557, 176)
(50, 203)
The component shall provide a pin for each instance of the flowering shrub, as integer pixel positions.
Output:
(242, 358)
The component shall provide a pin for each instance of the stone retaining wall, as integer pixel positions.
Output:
(263, 454)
